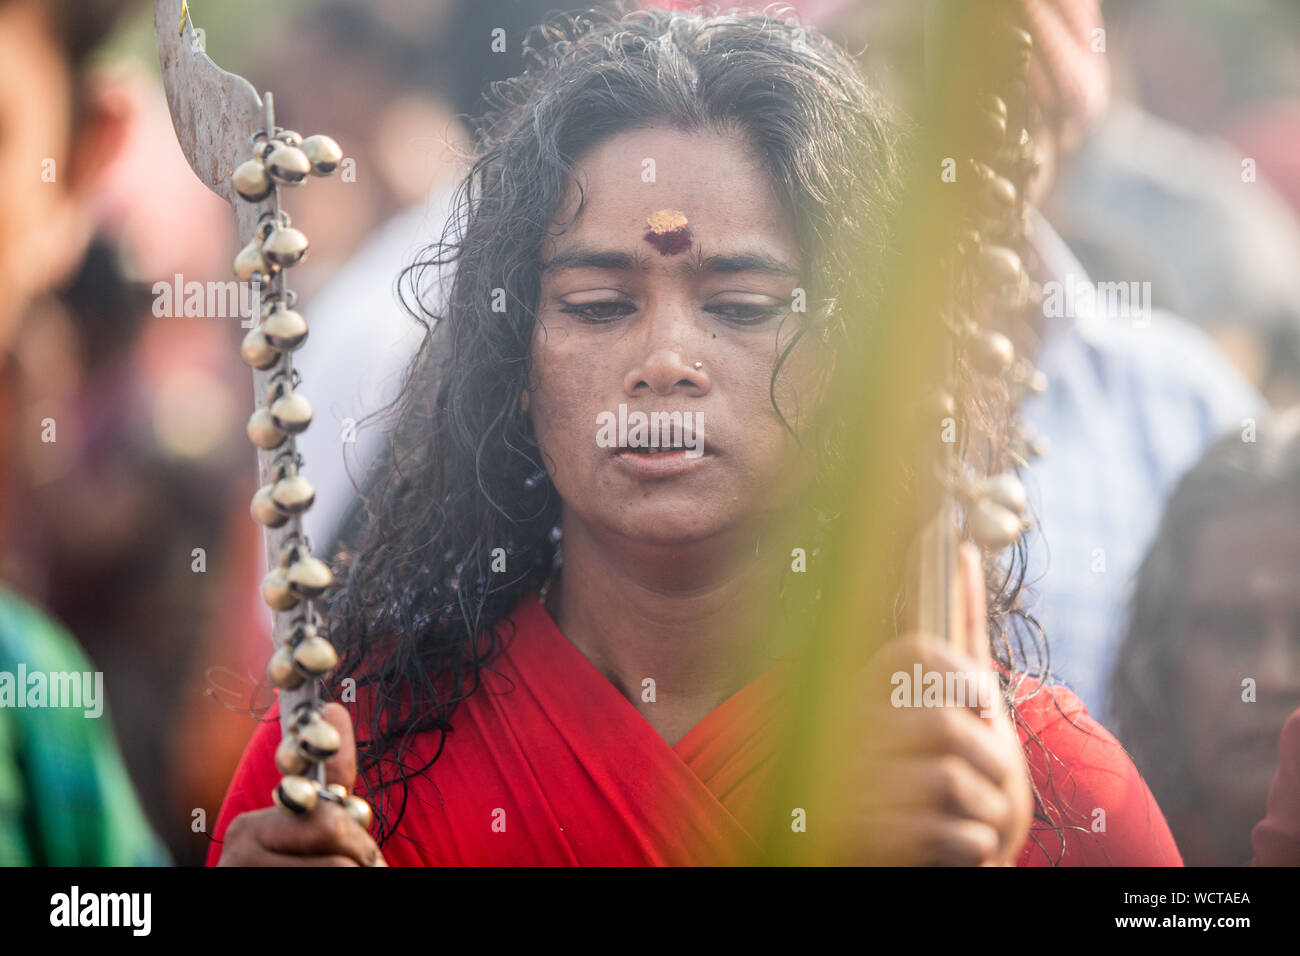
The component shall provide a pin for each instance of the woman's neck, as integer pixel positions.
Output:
(689, 618)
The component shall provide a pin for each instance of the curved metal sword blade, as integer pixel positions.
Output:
(214, 112)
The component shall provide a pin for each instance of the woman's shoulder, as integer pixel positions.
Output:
(1094, 807)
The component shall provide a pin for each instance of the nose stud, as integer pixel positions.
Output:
(699, 365)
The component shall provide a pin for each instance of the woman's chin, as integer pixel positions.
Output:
(668, 523)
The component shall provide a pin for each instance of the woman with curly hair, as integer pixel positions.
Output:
(1209, 670)
(562, 626)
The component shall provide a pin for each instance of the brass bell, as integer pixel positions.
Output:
(358, 810)
(285, 247)
(295, 794)
(1022, 43)
(1024, 143)
(309, 577)
(293, 494)
(285, 329)
(289, 137)
(256, 350)
(280, 670)
(352, 805)
(263, 432)
(275, 590)
(992, 526)
(264, 510)
(287, 164)
(1000, 265)
(302, 629)
(942, 404)
(1027, 444)
(251, 181)
(289, 760)
(318, 740)
(997, 195)
(1007, 491)
(993, 128)
(251, 261)
(315, 657)
(992, 352)
(291, 412)
(1023, 373)
(323, 153)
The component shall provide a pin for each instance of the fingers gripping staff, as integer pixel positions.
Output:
(231, 141)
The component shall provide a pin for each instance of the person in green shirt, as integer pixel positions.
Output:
(65, 798)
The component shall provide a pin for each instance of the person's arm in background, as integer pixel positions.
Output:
(65, 797)
(1276, 838)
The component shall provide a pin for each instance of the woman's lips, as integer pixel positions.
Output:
(659, 464)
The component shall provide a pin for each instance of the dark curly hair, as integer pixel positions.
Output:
(421, 613)
(1232, 475)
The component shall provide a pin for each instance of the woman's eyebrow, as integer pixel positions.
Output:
(746, 262)
(585, 258)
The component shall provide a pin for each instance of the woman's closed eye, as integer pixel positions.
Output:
(598, 312)
(745, 313)
(737, 313)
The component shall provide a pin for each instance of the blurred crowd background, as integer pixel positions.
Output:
(1174, 159)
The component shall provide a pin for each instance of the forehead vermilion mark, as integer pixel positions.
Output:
(669, 232)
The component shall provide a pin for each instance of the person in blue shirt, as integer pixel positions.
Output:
(1132, 402)
(1134, 395)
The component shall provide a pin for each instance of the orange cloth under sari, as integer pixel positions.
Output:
(549, 764)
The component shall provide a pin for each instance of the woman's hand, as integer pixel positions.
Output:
(326, 836)
(938, 784)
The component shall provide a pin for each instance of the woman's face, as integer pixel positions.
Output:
(1242, 621)
(670, 294)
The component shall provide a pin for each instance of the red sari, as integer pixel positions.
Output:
(548, 764)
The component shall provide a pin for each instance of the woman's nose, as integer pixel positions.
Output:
(668, 361)
(665, 371)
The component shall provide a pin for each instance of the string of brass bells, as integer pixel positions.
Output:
(312, 739)
(993, 280)
(283, 158)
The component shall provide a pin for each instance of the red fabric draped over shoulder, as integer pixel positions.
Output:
(548, 764)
